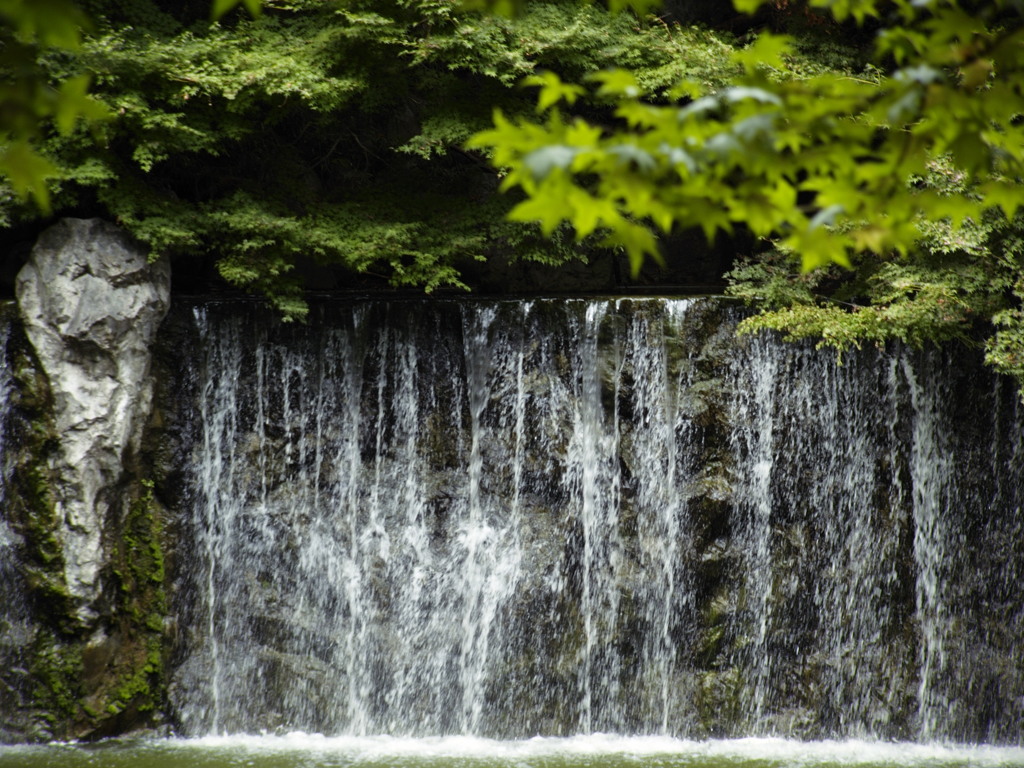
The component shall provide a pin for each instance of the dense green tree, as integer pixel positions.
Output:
(330, 132)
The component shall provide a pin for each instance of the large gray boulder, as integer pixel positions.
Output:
(91, 303)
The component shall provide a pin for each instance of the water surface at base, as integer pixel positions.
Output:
(299, 750)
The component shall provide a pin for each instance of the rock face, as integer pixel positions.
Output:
(91, 304)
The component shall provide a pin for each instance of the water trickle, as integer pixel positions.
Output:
(488, 533)
(932, 471)
(756, 377)
(662, 453)
(838, 469)
(16, 629)
(965, 470)
(592, 481)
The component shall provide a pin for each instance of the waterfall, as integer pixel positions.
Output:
(491, 561)
(753, 445)
(553, 517)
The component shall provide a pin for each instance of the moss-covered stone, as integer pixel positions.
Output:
(83, 678)
(32, 508)
(105, 680)
(56, 671)
(128, 690)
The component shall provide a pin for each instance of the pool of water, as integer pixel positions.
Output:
(299, 750)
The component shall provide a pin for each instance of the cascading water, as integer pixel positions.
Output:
(821, 518)
(932, 469)
(593, 487)
(662, 453)
(568, 516)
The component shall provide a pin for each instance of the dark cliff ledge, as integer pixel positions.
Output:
(690, 266)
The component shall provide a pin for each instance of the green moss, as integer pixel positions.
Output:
(56, 670)
(42, 525)
(141, 687)
(139, 572)
(32, 506)
(127, 690)
(720, 701)
(142, 552)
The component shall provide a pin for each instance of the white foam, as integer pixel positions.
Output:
(776, 750)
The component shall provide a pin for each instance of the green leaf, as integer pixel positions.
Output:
(699, 107)
(640, 7)
(52, 23)
(553, 90)
(631, 155)
(617, 83)
(826, 217)
(678, 158)
(743, 93)
(686, 89)
(817, 248)
(220, 7)
(843, 9)
(590, 212)
(550, 206)
(507, 8)
(71, 103)
(906, 108)
(541, 162)
(748, 6)
(706, 215)
(638, 242)
(27, 171)
(767, 50)
(970, 152)
(1006, 196)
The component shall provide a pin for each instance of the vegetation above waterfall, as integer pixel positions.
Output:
(326, 135)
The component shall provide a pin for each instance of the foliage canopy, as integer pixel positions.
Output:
(906, 169)
(884, 136)
(826, 163)
(323, 133)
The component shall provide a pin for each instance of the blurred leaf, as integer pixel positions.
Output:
(50, 23)
(506, 8)
(553, 90)
(767, 50)
(219, 8)
(27, 172)
(617, 83)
